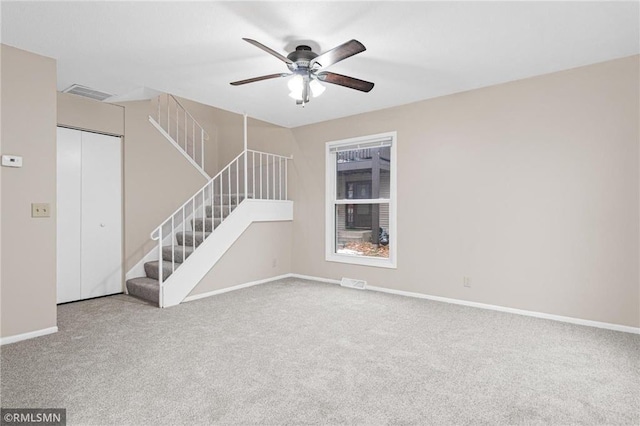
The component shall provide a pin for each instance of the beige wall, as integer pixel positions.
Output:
(86, 114)
(157, 180)
(223, 127)
(262, 251)
(531, 188)
(28, 263)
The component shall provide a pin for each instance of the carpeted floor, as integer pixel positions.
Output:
(299, 352)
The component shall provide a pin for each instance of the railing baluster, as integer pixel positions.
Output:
(237, 182)
(204, 216)
(201, 148)
(184, 232)
(267, 177)
(160, 285)
(261, 176)
(280, 178)
(229, 179)
(253, 175)
(286, 169)
(213, 213)
(273, 172)
(221, 209)
(193, 228)
(245, 158)
(173, 259)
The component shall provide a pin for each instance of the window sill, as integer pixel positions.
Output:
(361, 260)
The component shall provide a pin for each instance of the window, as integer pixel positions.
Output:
(361, 200)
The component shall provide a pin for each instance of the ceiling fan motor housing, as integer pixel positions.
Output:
(301, 57)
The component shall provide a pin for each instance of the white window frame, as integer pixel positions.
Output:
(331, 201)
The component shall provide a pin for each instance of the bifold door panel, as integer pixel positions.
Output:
(89, 215)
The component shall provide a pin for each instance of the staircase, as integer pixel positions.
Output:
(176, 252)
(251, 188)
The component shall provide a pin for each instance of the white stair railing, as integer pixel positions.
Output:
(251, 175)
(185, 131)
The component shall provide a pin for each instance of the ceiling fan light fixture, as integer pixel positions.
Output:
(317, 89)
(296, 84)
(296, 95)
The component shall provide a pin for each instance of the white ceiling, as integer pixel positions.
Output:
(415, 50)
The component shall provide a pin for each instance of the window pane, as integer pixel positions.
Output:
(362, 229)
(363, 173)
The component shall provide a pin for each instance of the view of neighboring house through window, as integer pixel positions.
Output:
(361, 200)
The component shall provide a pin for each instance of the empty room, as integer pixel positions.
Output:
(288, 213)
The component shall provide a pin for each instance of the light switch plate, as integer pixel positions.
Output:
(11, 161)
(40, 210)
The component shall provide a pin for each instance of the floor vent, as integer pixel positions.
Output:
(87, 92)
(351, 283)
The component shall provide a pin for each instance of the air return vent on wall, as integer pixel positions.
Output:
(351, 283)
(87, 92)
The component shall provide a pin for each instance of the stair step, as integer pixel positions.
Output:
(186, 238)
(179, 253)
(216, 210)
(152, 269)
(225, 198)
(144, 288)
(209, 223)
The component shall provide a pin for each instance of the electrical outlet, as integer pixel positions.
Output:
(40, 210)
(466, 281)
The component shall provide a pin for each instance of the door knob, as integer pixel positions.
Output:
(102, 225)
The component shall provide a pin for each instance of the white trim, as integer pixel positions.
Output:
(354, 259)
(30, 335)
(311, 278)
(258, 282)
(179, 148)
(331, 201)
(234, 288)
(363, 201)
(534, 314)
(560, 318)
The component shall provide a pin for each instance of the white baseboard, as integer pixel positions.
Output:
(233, 288)
(542, 315)
(29, 335)
(311, 278)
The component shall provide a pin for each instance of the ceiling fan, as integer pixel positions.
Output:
(307, 69)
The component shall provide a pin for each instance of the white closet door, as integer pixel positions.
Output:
(101, 260)
(69, 173)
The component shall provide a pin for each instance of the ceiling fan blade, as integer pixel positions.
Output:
(346, 81)
(264, 77)
(337, 54)
(269, 51)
